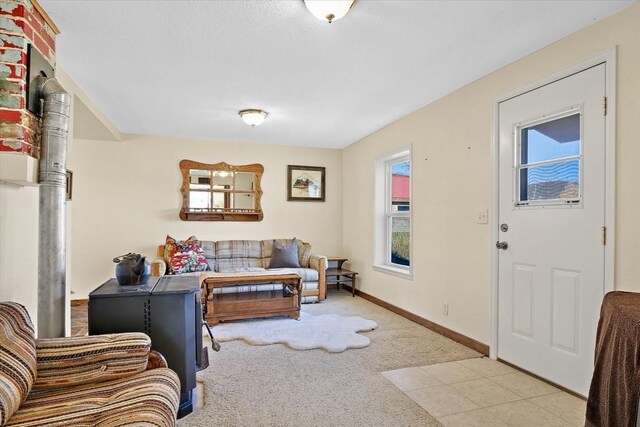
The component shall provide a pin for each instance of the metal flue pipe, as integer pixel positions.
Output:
(52, 229)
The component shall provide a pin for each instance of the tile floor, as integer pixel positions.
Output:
(474, 392)
(483, 392)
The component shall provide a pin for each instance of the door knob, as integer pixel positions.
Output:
(502, 245)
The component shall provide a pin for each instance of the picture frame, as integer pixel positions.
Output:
(305, 183)
(69, 184)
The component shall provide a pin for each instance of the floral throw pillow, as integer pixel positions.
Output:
(184, 257)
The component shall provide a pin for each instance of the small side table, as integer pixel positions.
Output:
(336, 261)
(338, 275)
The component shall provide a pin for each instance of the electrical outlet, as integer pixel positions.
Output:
(445, 309)
(483, 216)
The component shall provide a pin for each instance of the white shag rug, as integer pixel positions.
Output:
(331, 332)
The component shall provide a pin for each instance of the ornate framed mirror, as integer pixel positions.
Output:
(220, 191)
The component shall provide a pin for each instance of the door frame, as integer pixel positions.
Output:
(609, 59)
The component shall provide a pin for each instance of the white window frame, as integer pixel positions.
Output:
(384, 214)
(570, 203)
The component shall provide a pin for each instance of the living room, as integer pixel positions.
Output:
(131, 126)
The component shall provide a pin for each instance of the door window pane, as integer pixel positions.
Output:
(549, 162)
(555, 139)
(550, 181)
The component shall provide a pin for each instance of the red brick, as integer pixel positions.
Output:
(11, 40)
(10, 102)
(27, 30)
(15, 71)
(27, 135)
(8, 87)
(18, 11)
(48, 39)
(13, 56)
(34, 18)
(42, 47)
(30, 120)
(12, 131)
(19, 128)
(10, 116)
(16, 146)
(11, 25)
(19, 131)
(13, 102)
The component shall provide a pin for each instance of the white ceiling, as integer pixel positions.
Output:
(185, 68)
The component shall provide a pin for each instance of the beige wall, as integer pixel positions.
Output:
(127, 199)
(19, 246)
(451, 140)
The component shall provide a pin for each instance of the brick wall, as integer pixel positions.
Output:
(22, 22)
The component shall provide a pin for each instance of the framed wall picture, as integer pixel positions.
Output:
(69, 184)
(305, 183)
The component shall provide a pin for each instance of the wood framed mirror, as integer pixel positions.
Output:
(220, 191)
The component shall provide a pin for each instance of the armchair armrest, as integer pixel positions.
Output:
(63, 362)
(316, 260)
(319, 263)
(156, 360)
(158, 267)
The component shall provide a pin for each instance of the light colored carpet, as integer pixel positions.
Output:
(329, 332)
(275, 386)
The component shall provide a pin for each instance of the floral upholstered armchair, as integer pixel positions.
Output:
(103, 380)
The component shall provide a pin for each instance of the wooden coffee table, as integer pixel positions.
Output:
(247, 305)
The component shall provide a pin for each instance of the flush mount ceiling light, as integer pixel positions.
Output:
(329, 10)
(253, 117)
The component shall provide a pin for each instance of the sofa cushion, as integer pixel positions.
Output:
(306, 274)
(148, 398)
(184, 257)
(72, 361)
(17, 358)
(241, 270)
(235, 254)
(284, 255)
(304, 251)
(209, 249)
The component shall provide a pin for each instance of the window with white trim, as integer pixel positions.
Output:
(399, 212)
(393, 213)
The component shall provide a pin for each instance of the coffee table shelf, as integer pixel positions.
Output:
(247, 305)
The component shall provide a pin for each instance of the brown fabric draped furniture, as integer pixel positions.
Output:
(615, 386)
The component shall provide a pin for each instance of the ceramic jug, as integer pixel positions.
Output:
(132, 269)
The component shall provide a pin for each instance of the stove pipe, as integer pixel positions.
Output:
(52, 229)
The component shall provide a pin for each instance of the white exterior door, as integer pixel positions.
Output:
(551, 215)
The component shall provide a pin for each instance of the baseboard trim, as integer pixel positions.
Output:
(79, 302)
(451, 334)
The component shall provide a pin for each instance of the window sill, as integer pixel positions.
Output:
(405, 273)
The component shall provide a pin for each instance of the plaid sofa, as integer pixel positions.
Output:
(100, 380)
(254, 255)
